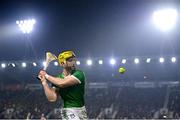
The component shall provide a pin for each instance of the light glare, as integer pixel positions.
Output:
(78, 62)
(136, 60)
(44, 63)
(3, 65)
(13, 64)
(100, 62)
(161, 60)
(173, 59)
(112, 61)
(34, 64)
(55, 63)
(89, 62)
(26, 26)
(123, 61)
(165, 19)
(148, 60)
(23, 64)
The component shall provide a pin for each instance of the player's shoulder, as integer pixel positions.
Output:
(79, 72)
(79, 75)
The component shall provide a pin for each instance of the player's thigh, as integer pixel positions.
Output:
(82, 114)
(68, 114)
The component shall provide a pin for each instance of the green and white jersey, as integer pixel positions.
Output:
(73, 96)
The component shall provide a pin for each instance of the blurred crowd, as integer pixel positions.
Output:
(101, 103)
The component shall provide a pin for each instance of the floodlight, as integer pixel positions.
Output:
(3, 65)
(13, 64)
(173, 59)
(123, 61)
(23, 64)
(161, 60)
(26, 26)
(34, 64)
(78, 62)
(165, 19)
(148, 60)
(112, 61)
(89, 62)
(100, 62)
(55, 63)
(136, 60)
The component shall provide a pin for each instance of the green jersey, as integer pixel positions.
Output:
(73, 96)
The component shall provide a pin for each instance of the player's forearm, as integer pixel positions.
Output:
(50, 94)
(56, 81)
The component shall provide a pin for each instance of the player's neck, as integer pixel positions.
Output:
(67, 71)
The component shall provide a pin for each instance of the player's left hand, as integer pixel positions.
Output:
(41, 78)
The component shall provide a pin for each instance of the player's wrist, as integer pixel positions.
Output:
(46, 76)
(44, 82)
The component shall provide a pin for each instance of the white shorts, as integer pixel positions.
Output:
(76, 113)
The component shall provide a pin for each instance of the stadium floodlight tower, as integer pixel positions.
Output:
(165, 19)
(26, 26)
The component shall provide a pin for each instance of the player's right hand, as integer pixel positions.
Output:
(42, 73)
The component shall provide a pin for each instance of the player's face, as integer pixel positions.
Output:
(71, 62)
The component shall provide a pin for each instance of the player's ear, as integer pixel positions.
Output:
(62, 63)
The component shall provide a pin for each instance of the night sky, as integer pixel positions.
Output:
(92, 28)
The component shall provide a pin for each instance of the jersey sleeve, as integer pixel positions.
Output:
(79, 76)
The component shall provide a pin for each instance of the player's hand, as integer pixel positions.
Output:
(41, 78)
(42, 73)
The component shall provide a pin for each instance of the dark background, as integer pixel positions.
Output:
(92, 28)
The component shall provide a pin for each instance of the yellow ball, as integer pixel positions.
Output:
(122, 70)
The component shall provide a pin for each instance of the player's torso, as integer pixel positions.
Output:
(72, 96)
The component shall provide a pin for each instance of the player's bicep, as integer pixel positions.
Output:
(70, 81)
